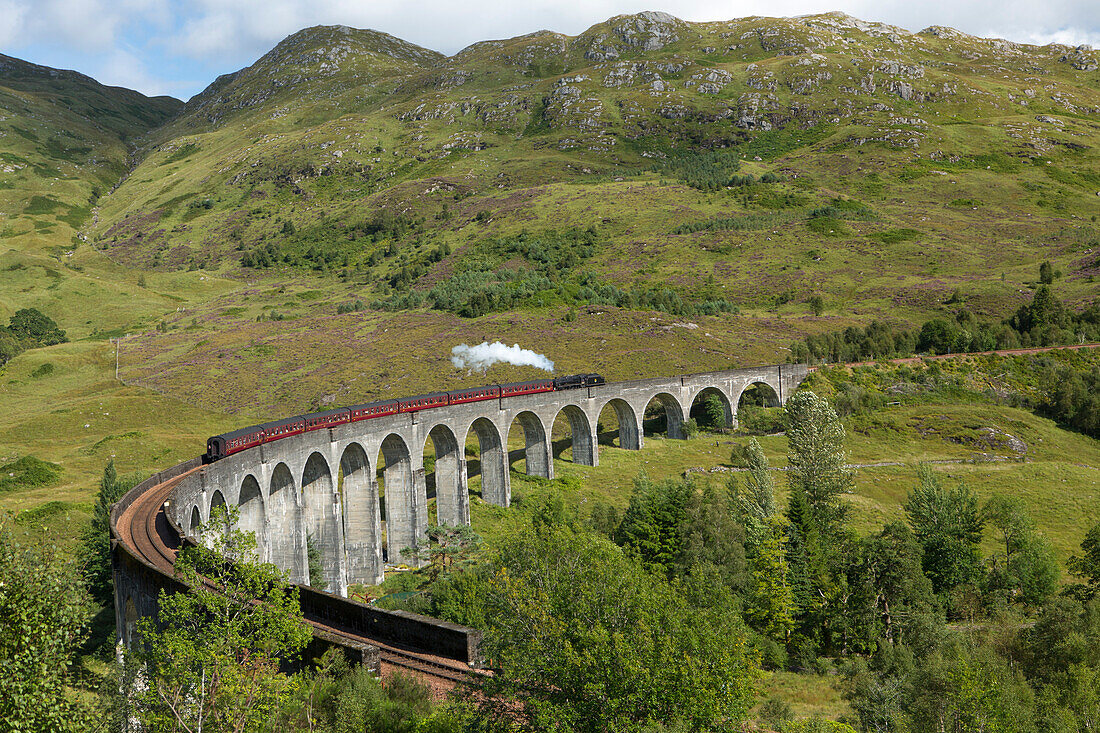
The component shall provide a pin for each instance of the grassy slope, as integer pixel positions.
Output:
(1059, 476)
(64, 139)
(969, 189)
(388, 109)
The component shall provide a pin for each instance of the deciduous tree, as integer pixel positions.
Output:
(949, 528)
(43, 619)
(581, 637)
(211, 660)
(815, 439)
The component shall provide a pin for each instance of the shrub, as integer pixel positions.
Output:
(28, 472)
(43, 370)
(753, 420)
(35, 328)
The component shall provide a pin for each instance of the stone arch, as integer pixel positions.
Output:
(495, 485)
(250, 508)
(321, 512)
(362, 521)
(666, 411)
(196, 522)
(697, 407)
(536, 445)
(452, 505)
(758, 393)
(582, 436)
(755, 395)
(217, 502)
(286, 542)
(629, 429)
(403, 526)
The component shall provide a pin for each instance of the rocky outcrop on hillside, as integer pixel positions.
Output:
(622, 93)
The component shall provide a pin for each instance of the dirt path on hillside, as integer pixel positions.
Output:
(985, 458)
(1000, 352)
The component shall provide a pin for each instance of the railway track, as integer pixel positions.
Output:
(145, 529)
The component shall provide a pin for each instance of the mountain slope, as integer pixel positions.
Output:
(908, 165)
(66, 139)
(62, 136)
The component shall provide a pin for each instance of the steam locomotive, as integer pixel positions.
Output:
(226, 444)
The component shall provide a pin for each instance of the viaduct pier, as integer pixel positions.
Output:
(358, 492)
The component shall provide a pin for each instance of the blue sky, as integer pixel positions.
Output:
(177, 48)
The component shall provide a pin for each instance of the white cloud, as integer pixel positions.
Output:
(122, 68)
(12, 18)
(204, 38)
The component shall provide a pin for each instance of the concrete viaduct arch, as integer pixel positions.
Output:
(322, 487)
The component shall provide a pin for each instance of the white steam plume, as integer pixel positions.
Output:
(484, 355)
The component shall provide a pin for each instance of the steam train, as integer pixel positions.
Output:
(226, 444)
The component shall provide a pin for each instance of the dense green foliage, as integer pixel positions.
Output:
(582, 637)
(487, 280)
(1073, 396)
(95, 545)
(45, 614)
(948, 526)
(332, 244)
(1043, 322)
(214, 653)
(28, 328)
(706, 170)
(337, 698)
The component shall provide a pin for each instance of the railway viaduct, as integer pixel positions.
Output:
(322, 488)
(322, 485)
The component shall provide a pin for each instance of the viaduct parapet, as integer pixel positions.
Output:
(320, 488)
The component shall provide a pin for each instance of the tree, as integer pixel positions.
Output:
(1028, 571)
(35, 328)
(711, 535)
(813, 578)
(581, 637)
(45, 618)
(337, 697)
(1060, 655)
(651, 526)
(949, 528)
(968, 688)
(937, 336)
(818, 468)
(758, 501)
(901, 594)
(1087, 564)
(770, 604)
(1046, 273)
(95, 543)
(211, 658)
(714, 410)
(446, 546)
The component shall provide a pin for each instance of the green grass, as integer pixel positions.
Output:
(892, 240)
(1059, 477)
(28, 472)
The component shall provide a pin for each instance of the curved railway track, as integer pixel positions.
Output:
(145, 529)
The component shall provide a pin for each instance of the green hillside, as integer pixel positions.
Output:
(649, 197)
